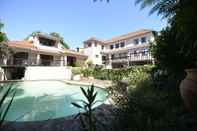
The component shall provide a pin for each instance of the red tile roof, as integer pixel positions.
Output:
(30, 46)
(128, 35)
(120, 38)
(21, 44)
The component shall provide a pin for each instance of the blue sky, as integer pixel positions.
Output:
(75, 20)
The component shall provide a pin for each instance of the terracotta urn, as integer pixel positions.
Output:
(188, 89)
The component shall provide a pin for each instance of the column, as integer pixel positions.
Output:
(5, 61)
(65, 60)
(38, 59)
(62, 61)
(110, 62)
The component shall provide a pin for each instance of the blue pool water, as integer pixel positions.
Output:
(43, 100)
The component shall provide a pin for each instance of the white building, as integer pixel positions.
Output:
(121, 51)
(40, 49)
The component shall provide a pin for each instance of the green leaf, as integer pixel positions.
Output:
(76, 105)
(84, 92)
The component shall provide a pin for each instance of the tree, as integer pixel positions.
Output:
(3, 36)
(166, 8)
(33, 33)
(57, 35)
(1, 25)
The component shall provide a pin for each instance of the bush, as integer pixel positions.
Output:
(76, 70)
(149, 108)
(114, 74)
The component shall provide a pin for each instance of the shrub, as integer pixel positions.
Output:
(76, 70)
(149, 108)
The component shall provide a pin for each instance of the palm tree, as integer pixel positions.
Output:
(166, 8)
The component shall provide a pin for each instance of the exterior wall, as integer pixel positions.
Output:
(129, 43)
(94, 53)
(143, 54)
(37, 43)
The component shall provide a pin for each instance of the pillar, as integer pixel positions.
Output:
(65, 60)
(38, 59)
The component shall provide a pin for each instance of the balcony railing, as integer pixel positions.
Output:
(32, 62)
(134, 56)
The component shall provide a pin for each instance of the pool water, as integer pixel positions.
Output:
(43, 100)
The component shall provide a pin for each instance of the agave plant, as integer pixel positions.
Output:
(5, 92)
(87, 119)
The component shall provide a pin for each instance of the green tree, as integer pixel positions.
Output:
(1, 25)
(33, 33)
(57, 35)
(165, 8)
(3, 36)
(177, 43)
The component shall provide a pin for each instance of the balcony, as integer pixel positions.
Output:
(132, 57)
(32, 62)
(140, 56)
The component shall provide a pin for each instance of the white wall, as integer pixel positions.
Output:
(47, 73)
(92, 51)
(129, 43)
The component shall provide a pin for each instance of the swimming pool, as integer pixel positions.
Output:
(43, 100)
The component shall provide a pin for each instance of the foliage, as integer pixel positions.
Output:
(150, 108)
(79, 63)
(32, 34)
(76, 70)
(88, 72)
(87, 119)
(89, 63)
(1, 25)
(114, 74)
(5, 51)
(166, 8)
(5, 92)
(3, 36)
(57, 35)
(54, 34)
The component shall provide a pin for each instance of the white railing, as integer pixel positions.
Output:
(32, 62)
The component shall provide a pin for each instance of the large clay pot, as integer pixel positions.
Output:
(188, 90)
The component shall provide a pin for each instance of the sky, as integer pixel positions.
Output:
(75, 20)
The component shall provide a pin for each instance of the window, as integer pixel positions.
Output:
(97, 56)
(135, 53)
(117, 45)
(136, 41)
(111, 47)
(47, 42)
(123, 55)
(143, 40)
(143, 53)
(89, 44)
(122, 44)
(112, 56)
(102, 47)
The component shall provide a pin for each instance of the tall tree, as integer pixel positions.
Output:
(3, 36)
(57, 35)
(1, 25)
(166, 8)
